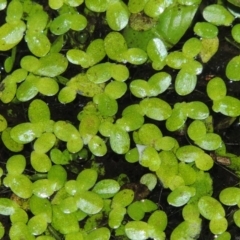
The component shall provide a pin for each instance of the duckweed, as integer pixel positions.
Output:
(87, 83)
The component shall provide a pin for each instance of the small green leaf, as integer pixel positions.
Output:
(209, 48)
(122, 198)
(216, 88)
(197, 110)
(119, 72)
(67, 95)
(150, 180)
(168, 169)
(116, 89)
(8, 64)
(136, 6)
(235, 32)
(106, 188)
(25, 132)
(156, 108)
(52, 65)
(78, 22)
(11, 34)
(116, 216)
(43, 188)
(19, 230)
(236, 217)
(61, 24)
(227, 105)
(204, 161)
(117, 15)
(38, 43)
(232, 68)
(16, 164)
(130, 121)
(9, 142)
(28, 88)
(74, 144)
(154, 8)
(178, 118)
(37, 21)
(192, 47)
(86, 179)
(115, 45)
(218, 226)
(7, 206)
(55, 4)
(187, 173)
(99, 73)
(105, 128)
(230, 196)
(65, 130)
(97, 146)
(83, 85)
(38, 111)
(64, 223)
(3, 123)
(37, 224)
(135, 212)
(196, 130)
(148, 205)
(210, 208)
(190, 212)
(159, 83)
(135, 56)
(205, 30)
(44, 143)
(97, 6)
(39, 205)
(180, 196)
(187, 230)
(186, 81)
(149, 158)
(218, 15)
(20, 185)
(58, 175)
(137, 230)
(158, 219)
(47, 86)
(19, 215)
(165, 143)
(209, 142)
(89, 202)
(139, 88)
(119, 140)
(156, 50)
(59, 157)
(96, 51)
(19, 75)
(103, 233)
(203, 186)
(89, 126)
(106, 105)
(71, 187)
(3, 4)
(79, 57)
(132, 155)
(30, 63)
(188, 153)
(176, 60)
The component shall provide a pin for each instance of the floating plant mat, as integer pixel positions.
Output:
(119, 119)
